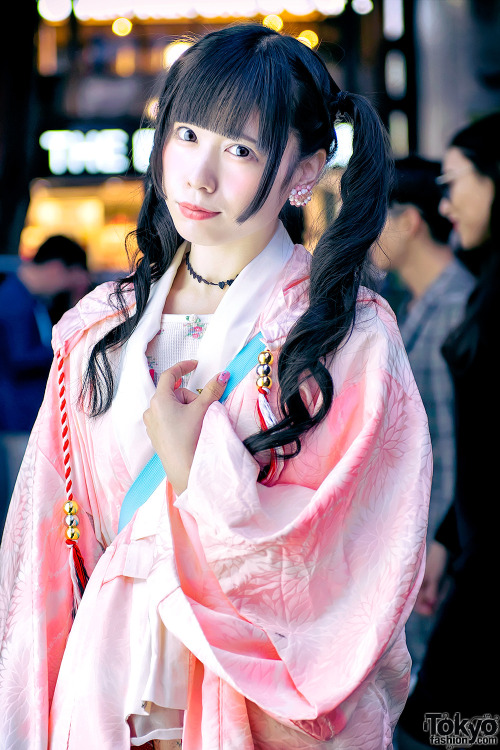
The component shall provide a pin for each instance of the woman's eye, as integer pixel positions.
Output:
(239, 150)
(186, 134)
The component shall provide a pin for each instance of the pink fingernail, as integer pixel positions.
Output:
(224, 377)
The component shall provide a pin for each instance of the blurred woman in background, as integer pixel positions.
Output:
(462, 658)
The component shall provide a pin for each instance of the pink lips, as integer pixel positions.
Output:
(196, 212)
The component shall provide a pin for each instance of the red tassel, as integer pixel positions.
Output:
(262, 421)
(79, 575)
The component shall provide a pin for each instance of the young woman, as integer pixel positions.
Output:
(257, 597)
(462, 653)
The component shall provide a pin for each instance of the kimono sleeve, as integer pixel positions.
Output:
(326, 563)
(36, 594)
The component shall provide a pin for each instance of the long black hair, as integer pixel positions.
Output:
(217, 84)
(480, 144)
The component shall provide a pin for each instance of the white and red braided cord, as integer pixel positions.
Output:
(78, 573)
(64, 427)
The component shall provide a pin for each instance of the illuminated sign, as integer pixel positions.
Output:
(159, 9)
(114, 151)
(108, 151)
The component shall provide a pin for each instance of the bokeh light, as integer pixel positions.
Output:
(395, 74)
(362, 7)
(394, 19)
(48, 213)
(151, 109)
(125, 61)
(121, 26)
(271, 6)
(244, 8)
(312, 36)
(300, 7)
(173, 51)
(273, 22)
(331, 7)
(398, 133)
(90, 212)
(54, 10)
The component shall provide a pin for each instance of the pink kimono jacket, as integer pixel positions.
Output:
(252, 615)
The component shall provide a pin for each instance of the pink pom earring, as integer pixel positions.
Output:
(300, 195)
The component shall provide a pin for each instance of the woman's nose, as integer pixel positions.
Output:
(444, 207)
(202, 175)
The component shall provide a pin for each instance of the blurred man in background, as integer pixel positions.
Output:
(31, 300)
(414, 249)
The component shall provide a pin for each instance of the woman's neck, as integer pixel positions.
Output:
(221, 262)
(215, 264)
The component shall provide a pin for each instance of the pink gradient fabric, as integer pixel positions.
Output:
(259, 615)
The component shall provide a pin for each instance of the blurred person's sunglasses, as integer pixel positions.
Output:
(446, 180)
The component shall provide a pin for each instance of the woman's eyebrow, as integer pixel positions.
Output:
(249, 138)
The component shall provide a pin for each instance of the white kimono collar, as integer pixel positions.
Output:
(239, 309)
(229, 329)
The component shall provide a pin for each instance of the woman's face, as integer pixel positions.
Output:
(469, 198)
(209, 180)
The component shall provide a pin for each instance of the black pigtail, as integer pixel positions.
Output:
(157, 241)
(337, 266)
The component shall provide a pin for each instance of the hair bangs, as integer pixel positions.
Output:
(216, 99)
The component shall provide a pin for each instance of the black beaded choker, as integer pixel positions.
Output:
(199, 278)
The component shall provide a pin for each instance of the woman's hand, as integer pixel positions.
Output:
(174, 419)
(431, 594)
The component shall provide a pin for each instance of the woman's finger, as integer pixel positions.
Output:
(169, 378)
(213, 390)
(185, 396)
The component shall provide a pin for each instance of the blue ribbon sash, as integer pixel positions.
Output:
(153, 473)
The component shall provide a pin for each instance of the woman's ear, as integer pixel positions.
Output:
(309, 169)
(412, 220)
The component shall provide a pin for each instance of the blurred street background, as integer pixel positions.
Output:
(78, 96)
